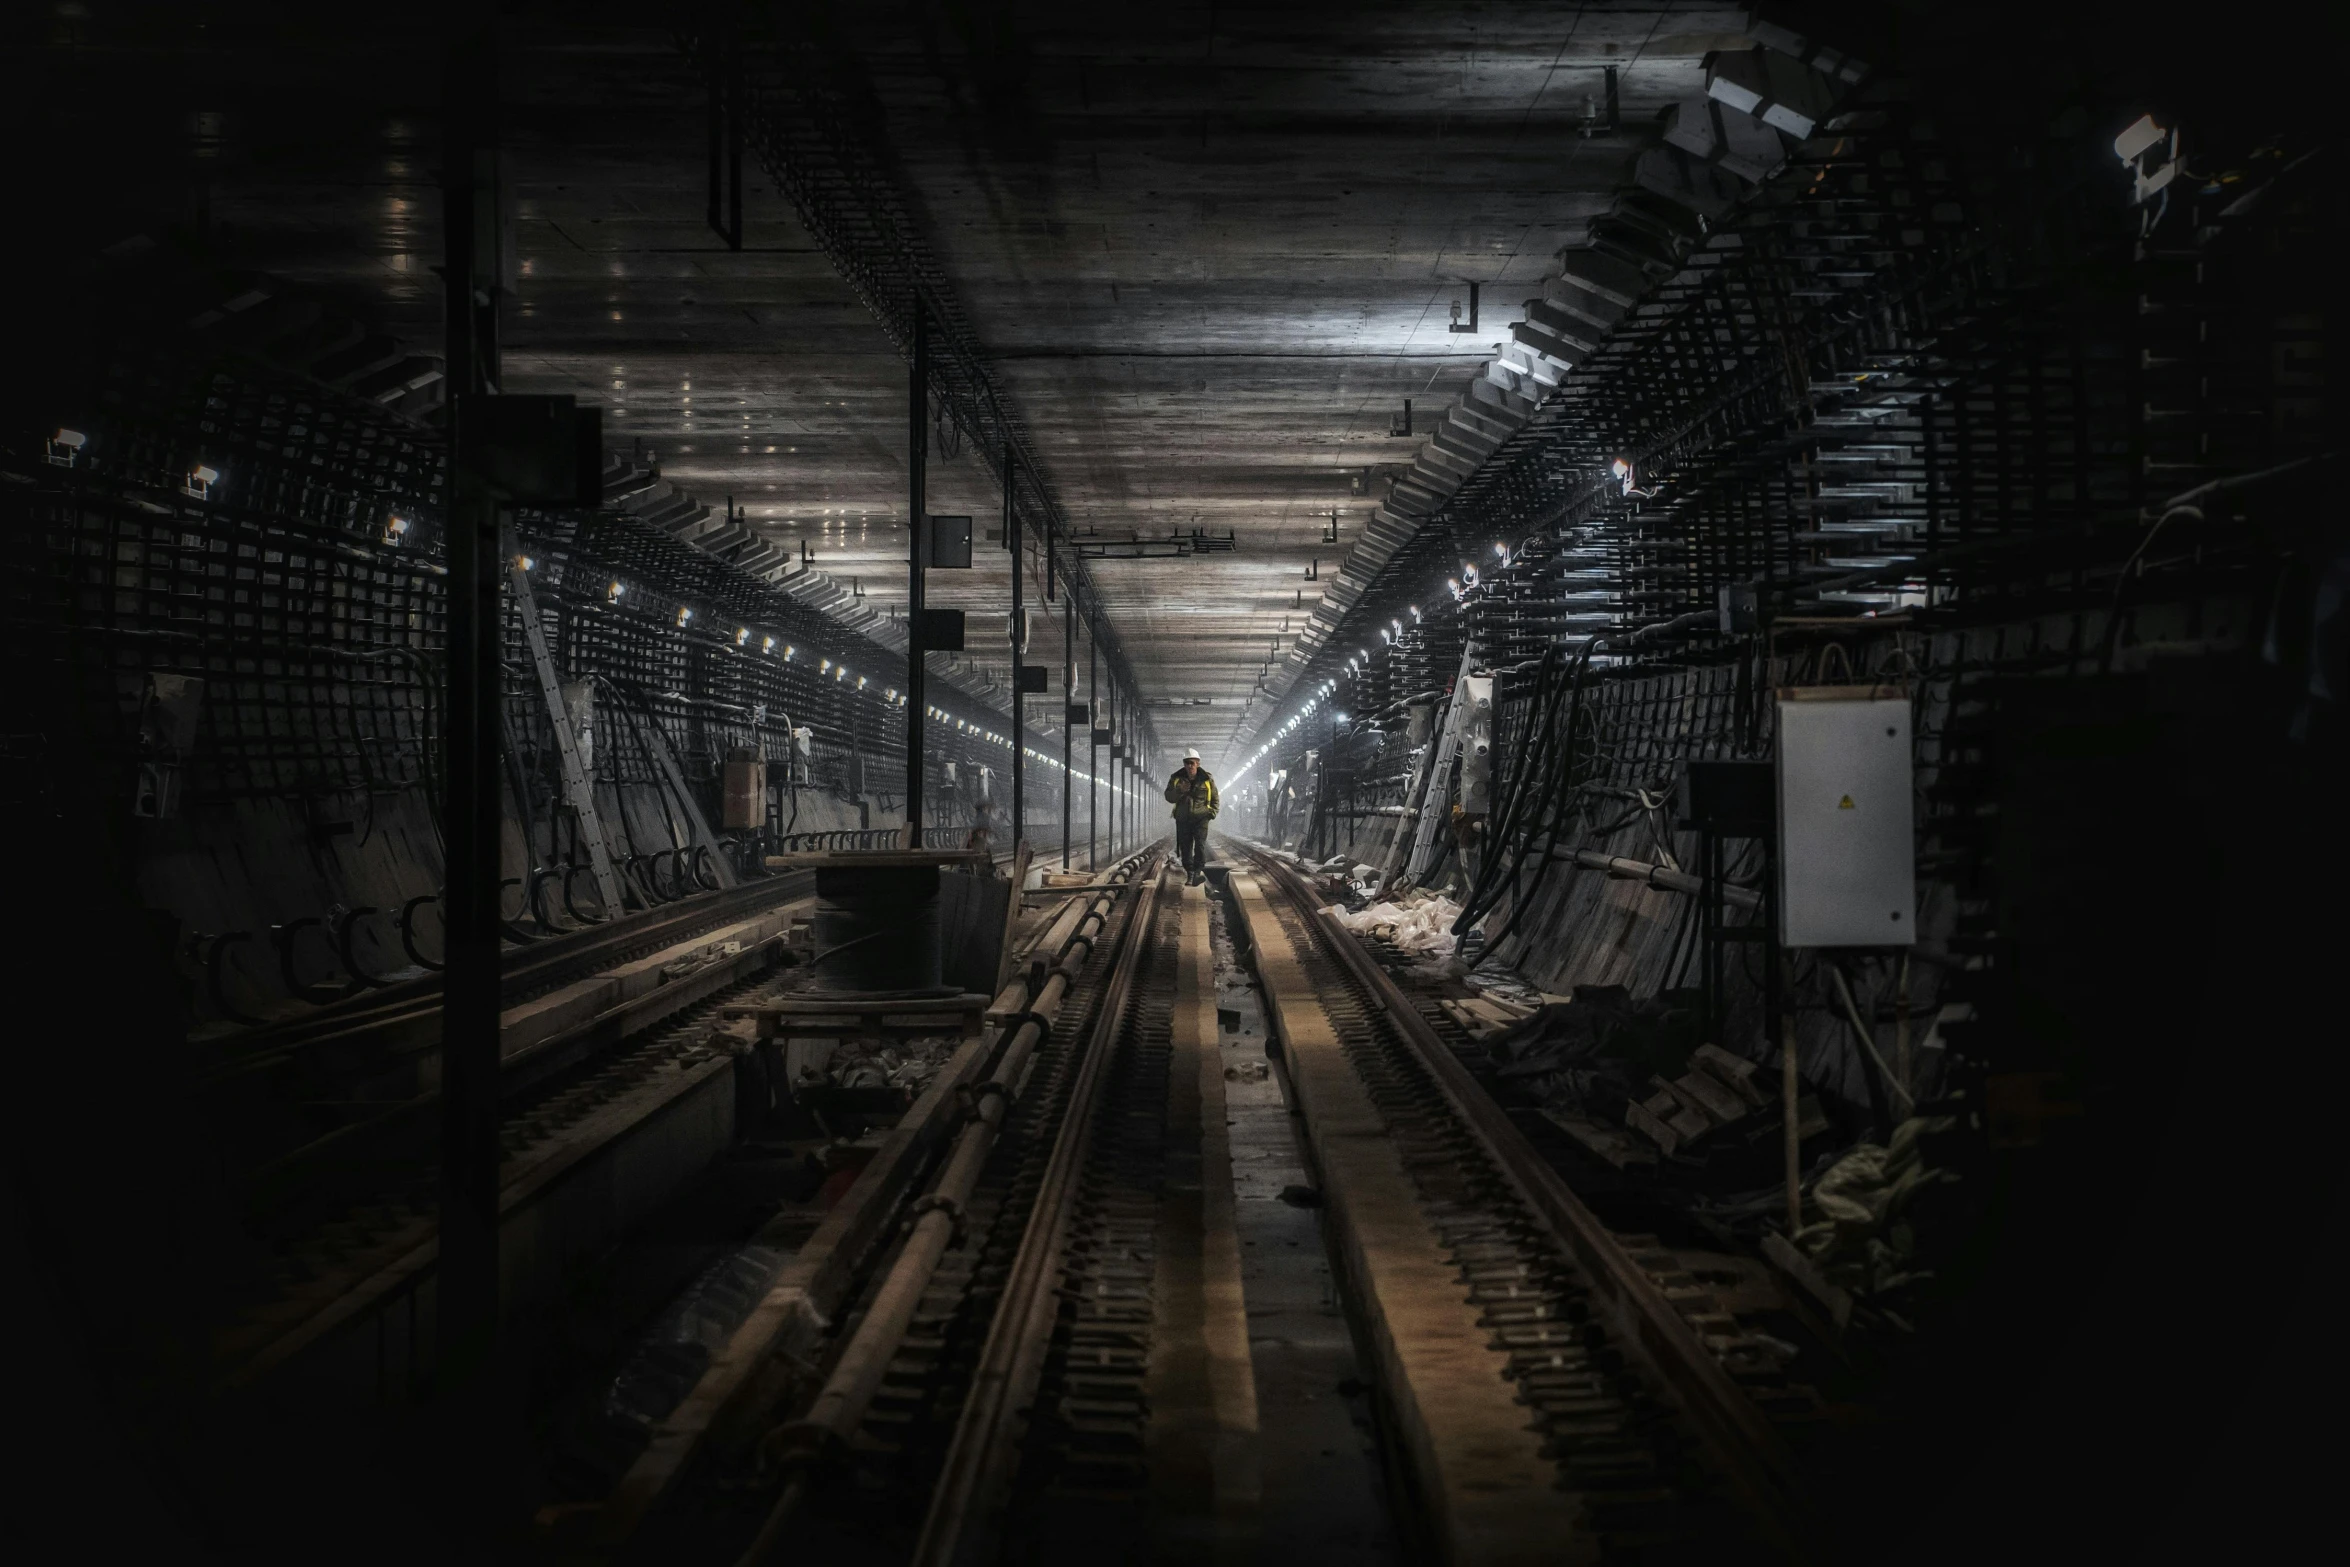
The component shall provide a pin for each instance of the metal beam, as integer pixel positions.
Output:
(917, 525)
(579, 789)
(467, 1283)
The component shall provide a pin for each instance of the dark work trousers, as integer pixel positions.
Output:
(1191, 844)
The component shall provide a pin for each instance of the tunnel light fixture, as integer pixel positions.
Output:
(824, 667)
(394, 527)
(683, 615)
(525, 563)
(65, 447)
(200, 481)
(840, 674)
(613, 591)
(742, 636)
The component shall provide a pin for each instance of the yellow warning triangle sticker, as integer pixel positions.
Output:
(1844, 804)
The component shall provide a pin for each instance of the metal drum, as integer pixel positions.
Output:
(876, 930)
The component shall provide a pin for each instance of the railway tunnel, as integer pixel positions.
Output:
(968, 783)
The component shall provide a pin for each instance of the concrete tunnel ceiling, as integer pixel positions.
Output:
(1207, 253)
(1211, 257)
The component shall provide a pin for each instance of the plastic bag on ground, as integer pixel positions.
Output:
(1420, 924)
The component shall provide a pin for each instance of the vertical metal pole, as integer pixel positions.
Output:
(918, 524)
(1019, 701)
(1093, 760)
(1790, 1101)
(734, 145)
(1780, 1022)
(468, 1269)
(1068, 700)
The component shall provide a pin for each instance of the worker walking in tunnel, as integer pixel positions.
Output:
(1193, 794)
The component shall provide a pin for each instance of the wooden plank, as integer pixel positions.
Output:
(1005, 959)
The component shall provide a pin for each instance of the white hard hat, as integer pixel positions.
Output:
(1191, 753)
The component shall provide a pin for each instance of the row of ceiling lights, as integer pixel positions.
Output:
(1360, 663)
(67, 445)
(1621, 469)
(1626, 477)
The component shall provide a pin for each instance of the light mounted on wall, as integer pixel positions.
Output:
(2151, 154)
(394, 528)
(742, 636)
(613, 591)
(65, 447)
(1622, 469)
(684, 615)
(200, 481)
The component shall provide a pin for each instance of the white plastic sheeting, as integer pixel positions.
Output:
(1422, 923)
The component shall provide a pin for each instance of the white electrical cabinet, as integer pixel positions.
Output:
(1847, 855)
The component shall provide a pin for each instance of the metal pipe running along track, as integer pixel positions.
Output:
(1537, 1396)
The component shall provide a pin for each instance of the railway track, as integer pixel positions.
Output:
(393, 1012)
(604, 1035)
(1047, 1344)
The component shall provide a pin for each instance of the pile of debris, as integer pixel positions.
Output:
(1419, 923)
(1633, 1082)
(1863, 1241)
(902, 1067)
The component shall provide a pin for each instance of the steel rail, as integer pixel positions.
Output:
(802, 1301)
(529, 973)
(856, 1374)
(1747, 1450)
(600, 1035)
(985, 1448)
(527, 970)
